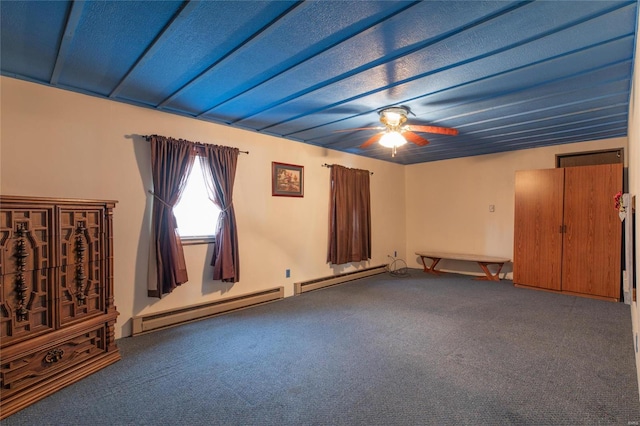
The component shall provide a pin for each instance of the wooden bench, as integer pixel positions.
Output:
(483, 261)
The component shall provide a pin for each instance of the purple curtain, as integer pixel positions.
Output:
(349, 216)
(171, 162)
(219, 169)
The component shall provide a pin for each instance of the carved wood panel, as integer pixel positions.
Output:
(81, 232)
(82, 274)
(26, 274)
(76, 300)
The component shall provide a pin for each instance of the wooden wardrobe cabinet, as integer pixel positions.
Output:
(567, 235)
(57, 312)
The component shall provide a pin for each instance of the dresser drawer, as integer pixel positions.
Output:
(46, 363)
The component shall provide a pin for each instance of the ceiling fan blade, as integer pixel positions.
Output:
(433, 129)
(414, 138)
(373, 139)
(359, 128)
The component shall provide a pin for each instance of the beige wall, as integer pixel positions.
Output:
(62, 144)
(448, 201)
(634, 187)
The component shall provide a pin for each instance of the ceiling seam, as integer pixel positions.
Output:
(410, 160)
(557, 106)
(184, 11)
(478, 80)
(470, 60)
(382, 61)
(551, 132)
(475, 132)
(579, 73)
(175, 94)
(73, 19)
(557, 140)
(369, 26)
(482, 144)
(545, 83)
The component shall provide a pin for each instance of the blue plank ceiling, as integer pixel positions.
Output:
(506, 75)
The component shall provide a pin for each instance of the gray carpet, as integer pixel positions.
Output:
(421, 350)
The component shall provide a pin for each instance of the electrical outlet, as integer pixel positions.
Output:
(492, 208)
(395, 254)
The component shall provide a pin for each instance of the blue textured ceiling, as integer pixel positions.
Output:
(506, 75)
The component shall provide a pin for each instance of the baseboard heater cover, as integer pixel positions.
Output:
(164, 319)
(315, 284)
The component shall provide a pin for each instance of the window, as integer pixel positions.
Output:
(196, 214)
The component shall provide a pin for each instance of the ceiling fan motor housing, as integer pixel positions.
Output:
(393, 118)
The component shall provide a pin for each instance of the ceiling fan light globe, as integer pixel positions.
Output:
(392, 139)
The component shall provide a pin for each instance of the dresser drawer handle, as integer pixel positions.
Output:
(54, 355)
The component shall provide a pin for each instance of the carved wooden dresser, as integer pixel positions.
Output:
(57, 312)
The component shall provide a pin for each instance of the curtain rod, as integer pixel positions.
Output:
(331, 165)
(195, 143)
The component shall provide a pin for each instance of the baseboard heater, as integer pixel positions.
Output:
(164, 319)
(315, 284)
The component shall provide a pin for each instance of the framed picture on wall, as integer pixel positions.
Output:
(287, 180)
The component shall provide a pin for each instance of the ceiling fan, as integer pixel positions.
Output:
(396, 133)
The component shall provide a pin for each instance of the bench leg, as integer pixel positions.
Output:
(488, 275)
(432, 268)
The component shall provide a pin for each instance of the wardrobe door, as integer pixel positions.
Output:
(26, 277)
(537, 253)
(82, 275)
(592, 242)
